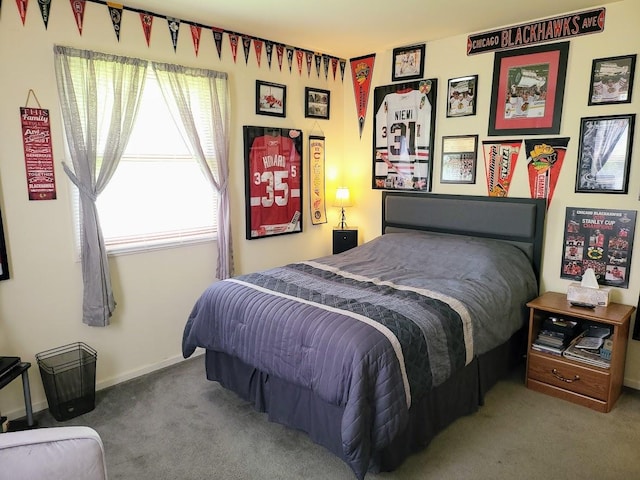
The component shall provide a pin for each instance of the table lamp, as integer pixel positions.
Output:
(342, 200)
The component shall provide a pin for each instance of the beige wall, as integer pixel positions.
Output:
(40, 304)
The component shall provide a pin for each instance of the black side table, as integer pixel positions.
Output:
(344, 239)
(6, 378)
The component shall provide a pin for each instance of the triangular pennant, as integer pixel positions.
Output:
(280, 54)
(309, 62)
(146, 19)
(78, 12)
(334, 66)
(343, 64)
(299, 58)
(22, 9)
(115, 12)
(233, 40)
(174, 30)
(268, 46)
(257, 45)
(246, 45)
(289, 57)
(544, 161)
(217, 38)
(362, 71)
(45, 10)
(326, 66)
(318, 59)
(500, 159)
(196, 32)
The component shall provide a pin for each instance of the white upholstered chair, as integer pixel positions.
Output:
(56, 453)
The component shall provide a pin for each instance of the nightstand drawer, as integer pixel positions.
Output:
(584, 380)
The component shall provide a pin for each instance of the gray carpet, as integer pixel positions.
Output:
(174, 424)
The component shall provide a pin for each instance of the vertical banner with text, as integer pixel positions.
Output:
(38, 153)
(316, 179)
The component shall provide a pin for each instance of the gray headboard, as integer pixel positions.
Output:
(519, 221)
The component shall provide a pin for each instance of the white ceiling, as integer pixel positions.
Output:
(351, 28)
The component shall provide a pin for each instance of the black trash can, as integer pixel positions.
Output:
(69, 379)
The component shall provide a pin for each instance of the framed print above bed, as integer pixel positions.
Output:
(459, 158)
(273, 181)
(403, 126)
(528, 90)
(461, 98)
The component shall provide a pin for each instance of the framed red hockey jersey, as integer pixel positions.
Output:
(273, 181)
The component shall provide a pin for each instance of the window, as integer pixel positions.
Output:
(158, 196)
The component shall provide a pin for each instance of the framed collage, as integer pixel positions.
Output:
(459, 159)
(273, 181)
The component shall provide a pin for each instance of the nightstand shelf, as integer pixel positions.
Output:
(575, 381)
(344, 239)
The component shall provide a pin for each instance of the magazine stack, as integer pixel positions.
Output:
(591, 347)
(554, 336)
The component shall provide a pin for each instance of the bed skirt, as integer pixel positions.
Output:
(299, 408)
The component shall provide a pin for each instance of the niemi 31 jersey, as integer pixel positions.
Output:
(274, 165)
(403, 123)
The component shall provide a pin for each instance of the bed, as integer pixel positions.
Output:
(375, 350)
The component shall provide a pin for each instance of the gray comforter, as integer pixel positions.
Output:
(371, 328)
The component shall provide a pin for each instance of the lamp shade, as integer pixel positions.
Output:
(343, 198)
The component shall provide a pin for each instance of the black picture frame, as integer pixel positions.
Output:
(612, 80)
(459, 159)
(4, 260)
(396, 167)
(271, 99)
(603, 166)
(462, 93)
(408, 63)
(317, 103)
(527, 91)
(273, 181)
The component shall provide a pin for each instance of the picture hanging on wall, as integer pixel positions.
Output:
(403, 126)
(408, 63)
(461, 99)
(528, 89)
(612, 80)
(601, 239)
(273, 181)
(271, 99)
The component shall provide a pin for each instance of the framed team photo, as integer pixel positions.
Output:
(528, 90)
(408, 63)
(612, 80)
(459, 158)
(273, 181)
(403, 126)
(271, 99)
(316, 103)
(461, 99)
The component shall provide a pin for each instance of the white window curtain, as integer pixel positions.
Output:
(86, 101)
(199, 102)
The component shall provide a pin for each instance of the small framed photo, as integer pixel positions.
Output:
(462, 96)
(316, 103)
(408, 63)
(271, 99)
(604, 154)
(612, 80)
(459, 158)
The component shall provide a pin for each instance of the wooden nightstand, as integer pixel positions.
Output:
(344, 239)
(581, 383)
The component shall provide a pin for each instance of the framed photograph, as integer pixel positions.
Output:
(461, 98)
(600, 239)
(528, 90)
(459, 158)
(271, 99)
(273, 181)
(403, 127)
(4, 260)
(604, 154)
(612, 80)
(408, 63)
(316, 103)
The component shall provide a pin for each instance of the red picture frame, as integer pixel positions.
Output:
(528, 90)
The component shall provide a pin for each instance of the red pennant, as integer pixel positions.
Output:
(544, 161)
(233, 40)
(217, 38)
(174, 30)
(146, 19)
(196, 32)
(45, 10)
(257, 45)
(299, 58)
(280, 54)
(500, 159)
(22, 9)
(115, 12)
(78, 12)
(362, 71)
(246, 45)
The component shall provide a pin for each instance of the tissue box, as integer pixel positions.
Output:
(576, 293)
